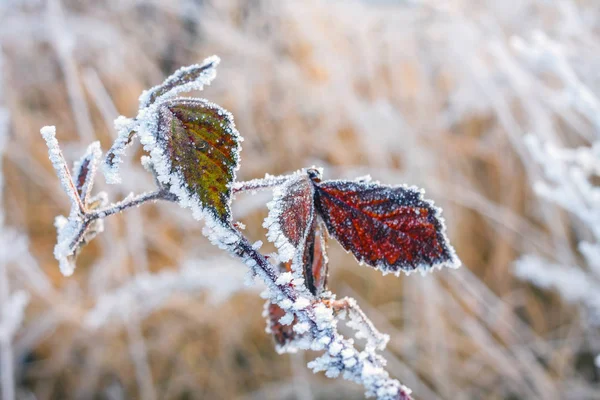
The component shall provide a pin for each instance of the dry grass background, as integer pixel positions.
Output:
(410, 91)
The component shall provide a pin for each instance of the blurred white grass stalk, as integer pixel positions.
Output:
(12, 306)
(146, 292)
(566, 180)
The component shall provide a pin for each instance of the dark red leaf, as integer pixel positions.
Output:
(391, 228)
(294, 229)
(291, 216)
(283, 335)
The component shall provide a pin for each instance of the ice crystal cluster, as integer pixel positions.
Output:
(193, 152)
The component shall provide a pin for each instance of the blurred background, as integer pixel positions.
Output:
(491, 106)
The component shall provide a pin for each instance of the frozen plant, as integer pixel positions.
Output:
(193, 153)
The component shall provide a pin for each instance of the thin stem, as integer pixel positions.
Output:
(268, 273)
(268, 182)
(162, 194)
(351, 306)
(91, 216)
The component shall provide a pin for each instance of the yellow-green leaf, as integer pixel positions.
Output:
(203, 147)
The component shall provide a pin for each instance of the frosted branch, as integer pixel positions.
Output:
(125, 134)
(266, 183)
(318, 322)
(185, 79)
(361, 323)
(61, 168)
(77, 230)
(314, 316)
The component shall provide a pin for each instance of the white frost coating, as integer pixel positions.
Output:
(364, 327)
(287, 319)
(365, 368)
(59, 164)
(335, 348)
(323, 315)
(284, 278)
(301, 328)
(67, 229)
(146, 127)
(114, 157)
(266, 183)
(286, 304)
(299, 282)
(301, 303)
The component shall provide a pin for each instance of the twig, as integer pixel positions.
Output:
(268, 182)
(91, 216)
(360, 322)
(365, 368)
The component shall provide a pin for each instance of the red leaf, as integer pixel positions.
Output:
(391, 228)
(291, 216)
(294, 229)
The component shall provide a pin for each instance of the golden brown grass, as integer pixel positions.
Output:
(354, 87)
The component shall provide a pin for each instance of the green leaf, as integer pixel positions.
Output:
(202, 145)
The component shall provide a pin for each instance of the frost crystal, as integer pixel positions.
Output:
(284, 278)
(286, 319)
(301, 303)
